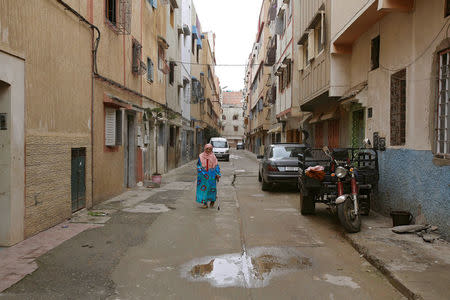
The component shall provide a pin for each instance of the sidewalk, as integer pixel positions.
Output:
(418, 269)
(20, 260)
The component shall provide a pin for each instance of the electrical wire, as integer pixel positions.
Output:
(421, 54)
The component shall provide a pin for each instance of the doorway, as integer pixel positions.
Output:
(358, 128)
(78, 178)
(130, 152)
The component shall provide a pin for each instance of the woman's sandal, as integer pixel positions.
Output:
(211, 204)
(205, 206)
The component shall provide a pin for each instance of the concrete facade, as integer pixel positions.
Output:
(90, 112)
(351, 61)
(232, 117)
(12, 148)
(57, 84)
(411, 38)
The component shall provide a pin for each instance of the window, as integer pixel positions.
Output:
(224, 117)
(288, 73)
(219, 144)
(305, 47)
(3, 122)
(283, 152)
(235, 117)
(162, 65)
(443, 106)
(375, 53)
(320, 32)
(172, 136)
(398, 108)
(171, 72)
(153, 3)
(137, 54)
(113, 127)
(447, 8)
(150, 74)
(111, 11)
(236, 128)
(172, 16)
(161, 137)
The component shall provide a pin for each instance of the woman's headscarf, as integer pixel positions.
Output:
(209, 161)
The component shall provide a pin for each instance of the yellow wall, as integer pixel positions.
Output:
(57, 53)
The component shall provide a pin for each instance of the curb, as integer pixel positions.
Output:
(381, 266)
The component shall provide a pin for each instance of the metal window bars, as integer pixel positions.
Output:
(138, 66)
(443, 106)
(123, 23)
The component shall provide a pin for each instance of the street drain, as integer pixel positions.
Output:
(252, 270)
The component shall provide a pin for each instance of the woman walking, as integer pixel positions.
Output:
(208, 173)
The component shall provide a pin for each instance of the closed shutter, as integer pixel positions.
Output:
(110, 126)
(333, 133)
(118, 127)
(318, 135)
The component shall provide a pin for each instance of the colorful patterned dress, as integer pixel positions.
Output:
(206, 183)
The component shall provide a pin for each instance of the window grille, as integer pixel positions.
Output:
(398, 108)
(150, 70)
(124, 21)
(443, 107)
(138, 66)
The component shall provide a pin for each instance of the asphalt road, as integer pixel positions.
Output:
(257, 246)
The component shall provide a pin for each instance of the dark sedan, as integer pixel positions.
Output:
(279, 164)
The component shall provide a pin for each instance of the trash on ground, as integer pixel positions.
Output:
(97, 214)
(409, 228)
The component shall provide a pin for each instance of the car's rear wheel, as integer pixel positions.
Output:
(265, 186)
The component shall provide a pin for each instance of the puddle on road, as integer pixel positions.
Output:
(254, 269)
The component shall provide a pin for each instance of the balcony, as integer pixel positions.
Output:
(271, 53)
(369, 15)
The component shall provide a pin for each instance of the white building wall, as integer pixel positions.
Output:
(185, 67)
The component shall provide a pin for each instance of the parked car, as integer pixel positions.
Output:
(279, 164)
(220, 148)
(240, 145)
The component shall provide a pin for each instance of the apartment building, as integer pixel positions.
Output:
(389, 62)
(232, 117)
(258, 86)
(205, 88)
(93, 100)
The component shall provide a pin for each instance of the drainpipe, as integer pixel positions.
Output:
(94, 71)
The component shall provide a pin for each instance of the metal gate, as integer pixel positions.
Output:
(78, 178)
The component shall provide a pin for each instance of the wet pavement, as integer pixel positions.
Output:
(160, 244)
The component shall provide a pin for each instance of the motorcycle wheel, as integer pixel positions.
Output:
(307, 204)
(350, 221)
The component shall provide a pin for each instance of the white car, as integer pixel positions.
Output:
(220, 148)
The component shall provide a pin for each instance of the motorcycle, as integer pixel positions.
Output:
(336, 181)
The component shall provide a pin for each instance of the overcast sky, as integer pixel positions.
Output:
(235, 23)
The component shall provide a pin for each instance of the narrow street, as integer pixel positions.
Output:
(257, 246)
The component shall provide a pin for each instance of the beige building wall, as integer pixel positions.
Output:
(57, 55)
(314, 77)
(403, 41)
(12, 147)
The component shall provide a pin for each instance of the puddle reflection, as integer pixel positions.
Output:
(252, 269)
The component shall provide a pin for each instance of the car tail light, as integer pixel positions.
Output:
(272, 168)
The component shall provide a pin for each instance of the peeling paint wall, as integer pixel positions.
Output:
(409, 179)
